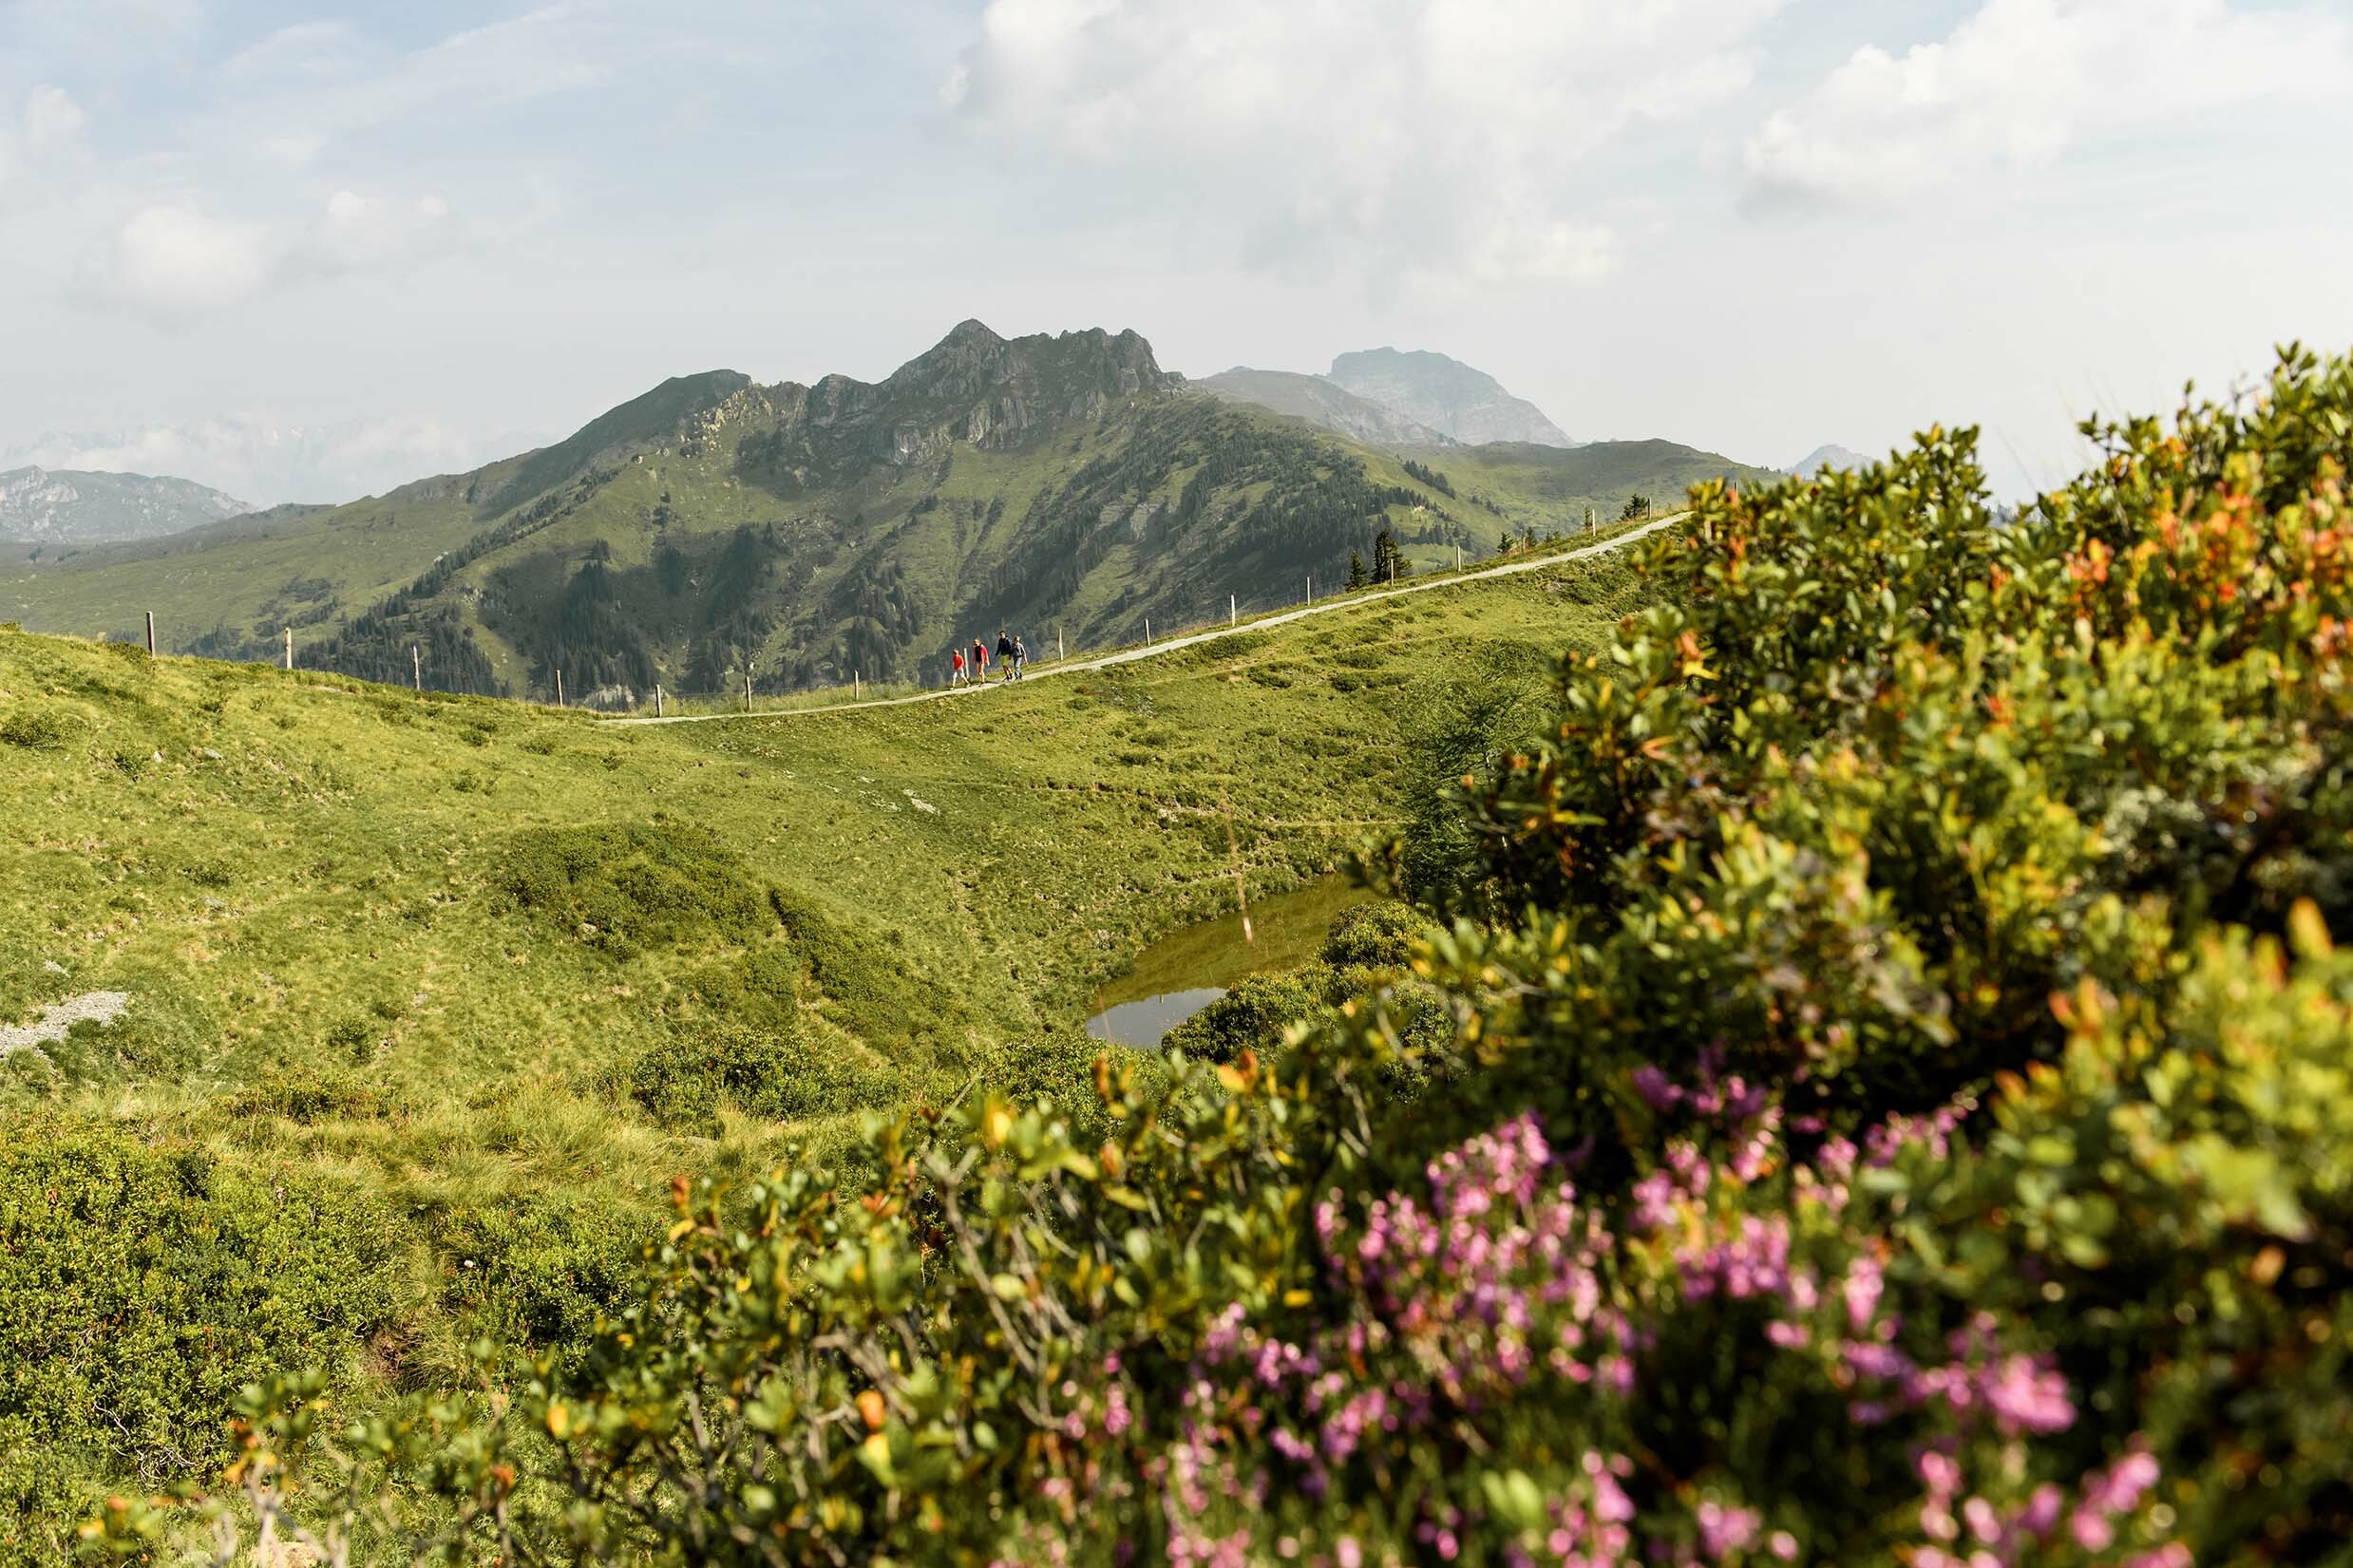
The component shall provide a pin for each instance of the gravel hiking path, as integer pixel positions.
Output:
(95, 1007)
(1170, 645)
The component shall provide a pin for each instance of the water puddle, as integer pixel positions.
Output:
(1192, 966)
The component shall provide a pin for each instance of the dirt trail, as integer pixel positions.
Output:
(1170, 645)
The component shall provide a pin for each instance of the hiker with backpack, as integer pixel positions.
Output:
(1021, 657)
(956, 669)
(1004, 653)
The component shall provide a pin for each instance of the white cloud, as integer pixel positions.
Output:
(42, 140)
(359, 233)
(1434, 140)
(2020, 82)
(265, 460)
(176, 261)
(53, 122)
(173, 263)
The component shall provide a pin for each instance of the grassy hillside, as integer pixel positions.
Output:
(802, 534)
(1594, 473)
(463, 982)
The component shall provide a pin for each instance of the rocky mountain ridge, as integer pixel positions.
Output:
(1324, 402)
(58, 506)
(1458, 401)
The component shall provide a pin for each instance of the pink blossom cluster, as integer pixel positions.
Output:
(1975, 1531)
(1494, 1284)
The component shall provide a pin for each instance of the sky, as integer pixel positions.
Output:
(307, 254)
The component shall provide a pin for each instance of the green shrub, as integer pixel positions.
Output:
(139, 1287)
(627, 887)
(1250, 1016)
(767, 1070)
(759, 986)
(308, 1093)
(39, 727)
(1379, 936)
(540, 1273)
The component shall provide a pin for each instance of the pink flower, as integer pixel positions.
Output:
(2091, 1530)
(1653, 1086)
(2026, 1396)
(1863, 1285)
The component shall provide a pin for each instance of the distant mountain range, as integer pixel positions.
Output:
(715, 527)
(1320, 401)
(271, 460)
(1828, 457)
(62, 506)
(1447, 395)
(1396, 398)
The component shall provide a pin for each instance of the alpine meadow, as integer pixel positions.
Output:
(1029, 952)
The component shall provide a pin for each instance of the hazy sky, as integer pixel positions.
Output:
(429, 234)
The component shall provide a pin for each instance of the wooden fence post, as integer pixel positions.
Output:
(747, 689)
(857, 687)
(1147, 631)
(416, 667)
(657, 699)
(1057, 642)
(290, 647)
(558, 689)
(1233, 611)
(151, 633)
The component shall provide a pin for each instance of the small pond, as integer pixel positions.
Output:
(1191, 967)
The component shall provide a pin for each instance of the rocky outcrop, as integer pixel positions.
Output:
(1446, 395)
(974, 385)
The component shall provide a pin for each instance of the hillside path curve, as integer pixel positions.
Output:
(1191, 639)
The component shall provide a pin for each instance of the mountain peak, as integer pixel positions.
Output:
(971, 329)
(1828, 457)
(1053, 371)
(1449, 397)
(69, 506)
(1319, 400)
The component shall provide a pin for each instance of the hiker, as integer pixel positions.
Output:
(979, 661)
(956, 669)
(1021, 657)
(1004, 652)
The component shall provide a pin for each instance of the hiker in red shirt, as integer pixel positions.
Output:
(955, 669)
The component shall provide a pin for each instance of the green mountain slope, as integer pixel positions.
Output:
(1063, 486)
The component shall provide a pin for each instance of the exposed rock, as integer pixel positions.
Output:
(67, 506)
(1446, 395)
(94, 1007)
(974, 385)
